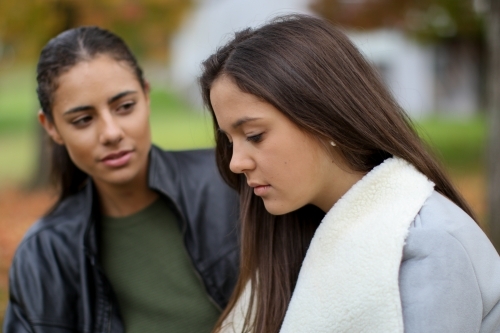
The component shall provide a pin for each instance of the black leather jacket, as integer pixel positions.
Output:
(56, 283)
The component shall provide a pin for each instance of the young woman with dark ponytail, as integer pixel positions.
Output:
(348, 223)
(140, 240)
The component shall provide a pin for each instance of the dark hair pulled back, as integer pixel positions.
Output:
(57, 57)
(310, 71)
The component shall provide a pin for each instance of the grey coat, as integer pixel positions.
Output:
(450, 274)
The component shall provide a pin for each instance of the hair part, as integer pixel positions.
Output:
(311, 72)
(61, 54)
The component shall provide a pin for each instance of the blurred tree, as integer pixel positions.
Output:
(494, 115)
(427, 20)
(452, 27)
(146, 26)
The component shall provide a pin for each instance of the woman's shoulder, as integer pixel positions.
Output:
(442, 217)
(441, 222)
(192, 168)
(46, 267)
(191, 163)
(58, 229)
(185, 156)
(448, 244)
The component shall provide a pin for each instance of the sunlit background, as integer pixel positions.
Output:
(430, 53)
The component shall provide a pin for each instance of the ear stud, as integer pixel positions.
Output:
(332, 144)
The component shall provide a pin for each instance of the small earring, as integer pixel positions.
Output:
(332, 143)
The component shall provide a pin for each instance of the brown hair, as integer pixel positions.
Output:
(57, 57)
(310, 71)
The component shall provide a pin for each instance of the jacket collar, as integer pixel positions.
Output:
(162, 173)
(161, 177)
(349, 278)
(91, 211)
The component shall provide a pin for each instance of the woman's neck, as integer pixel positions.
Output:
(126, 199)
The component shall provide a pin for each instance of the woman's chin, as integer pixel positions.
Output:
(276, 208)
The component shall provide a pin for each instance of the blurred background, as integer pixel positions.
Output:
(434, 55)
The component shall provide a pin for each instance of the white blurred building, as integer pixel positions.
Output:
(209, 26)
(424, 79)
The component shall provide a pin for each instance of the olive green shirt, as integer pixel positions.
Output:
(157, 287)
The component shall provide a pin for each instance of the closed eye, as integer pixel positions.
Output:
(126, 107)
(82, 121)
(255, 138)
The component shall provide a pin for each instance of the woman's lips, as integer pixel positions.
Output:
(261, 190)
(116, 160)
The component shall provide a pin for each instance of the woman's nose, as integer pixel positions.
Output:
(110, 131)
(241, 161)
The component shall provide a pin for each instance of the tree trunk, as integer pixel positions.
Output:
(494, 122)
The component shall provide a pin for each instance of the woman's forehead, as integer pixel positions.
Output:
(94, 80)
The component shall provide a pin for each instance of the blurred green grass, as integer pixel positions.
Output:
(458, 143)
(18, 101)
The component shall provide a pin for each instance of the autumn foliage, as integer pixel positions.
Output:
(146, 25)
(424, 19)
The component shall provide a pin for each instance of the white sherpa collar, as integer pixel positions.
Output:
(348, 281)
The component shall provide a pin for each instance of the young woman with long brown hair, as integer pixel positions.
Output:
(348, 223)
(141, 239)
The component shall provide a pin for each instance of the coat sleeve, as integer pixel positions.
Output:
(438, 285)
(15, 320)
(39, 289)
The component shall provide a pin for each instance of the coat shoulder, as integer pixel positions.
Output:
(446, 250)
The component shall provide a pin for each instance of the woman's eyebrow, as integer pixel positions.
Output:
(78, 109)
(243, 120)
(120, 95)
(110, 100)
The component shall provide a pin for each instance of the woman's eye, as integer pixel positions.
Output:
(255, 138)
(126, 107)
(82, 121)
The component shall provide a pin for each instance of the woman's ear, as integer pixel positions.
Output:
(50, 128)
